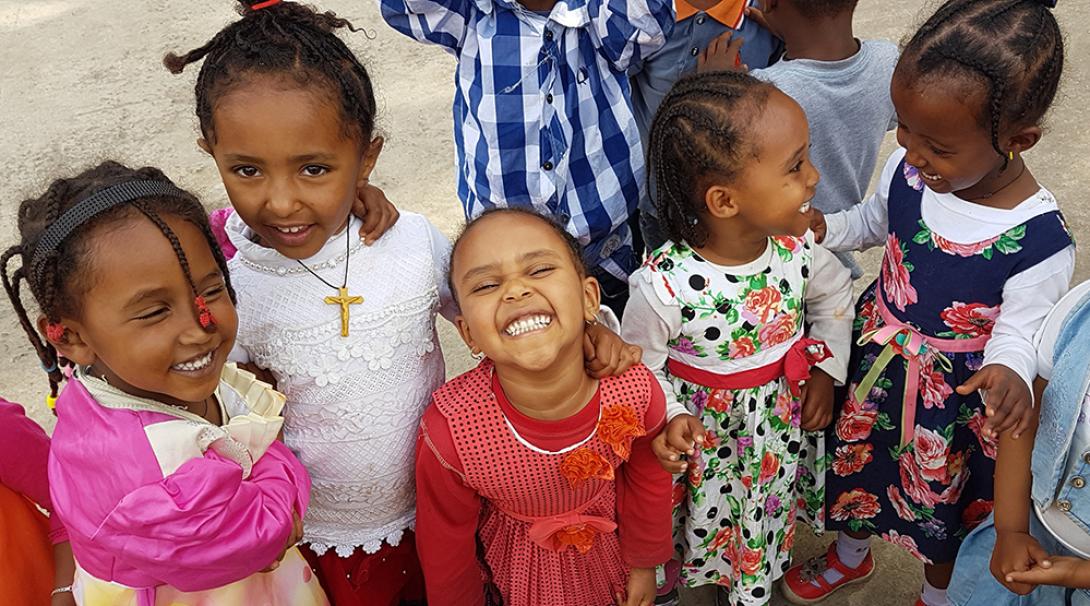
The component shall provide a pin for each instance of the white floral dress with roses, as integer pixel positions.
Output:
(735, 509)
(909, 461)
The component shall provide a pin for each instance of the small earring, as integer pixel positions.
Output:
(477, 355)
(54, 331)
(1010, 155)
(204, 317)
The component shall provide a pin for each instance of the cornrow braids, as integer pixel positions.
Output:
(574, 248)
(287, 39)
(60, 276)
(698, 136)
(1014, 47)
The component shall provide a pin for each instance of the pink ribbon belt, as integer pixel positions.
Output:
(916, 348)
(569, 529)
(794, 365)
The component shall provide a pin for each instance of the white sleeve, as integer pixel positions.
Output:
(1027, 299)
(440, 254)
(650, 323)
(1049, 333)
(864, 225)
(829, 310)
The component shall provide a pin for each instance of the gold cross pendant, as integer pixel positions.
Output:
(344, 301)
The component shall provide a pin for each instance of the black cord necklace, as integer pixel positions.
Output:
(343, 299)
(1005, 186)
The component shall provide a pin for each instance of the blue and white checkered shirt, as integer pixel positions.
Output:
(542, 110)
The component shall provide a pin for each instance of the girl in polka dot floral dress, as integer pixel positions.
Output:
(732, 313)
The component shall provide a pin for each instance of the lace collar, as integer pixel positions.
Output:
(267, 260)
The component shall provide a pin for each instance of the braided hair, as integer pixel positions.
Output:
(700, 137)
(1013, 47)
(284, 39)
(61, 276)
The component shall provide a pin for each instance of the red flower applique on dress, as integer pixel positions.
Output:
(583, 464)
(618, 426)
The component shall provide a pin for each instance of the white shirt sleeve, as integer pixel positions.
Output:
(650, 323)
(440, 254)
(864, 225)
(829, 310)
(1045, 341)
(1027, 299)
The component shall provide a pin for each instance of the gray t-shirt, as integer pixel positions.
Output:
(849, 109)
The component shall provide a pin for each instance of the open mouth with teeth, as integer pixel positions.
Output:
(195, 364)
(528, 324)
(930, 177)
(294, 229)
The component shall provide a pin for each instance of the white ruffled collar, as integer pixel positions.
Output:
(268, 260)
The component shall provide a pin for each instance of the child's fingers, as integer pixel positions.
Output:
(1039, 555)
(979, 380)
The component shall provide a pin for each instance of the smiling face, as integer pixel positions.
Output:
(942, 134)
(290, 169)
(138, 326)
(524, 301)
(773, 191)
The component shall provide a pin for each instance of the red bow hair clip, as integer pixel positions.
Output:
(205, 317)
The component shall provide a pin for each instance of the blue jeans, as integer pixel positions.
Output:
(974, 585)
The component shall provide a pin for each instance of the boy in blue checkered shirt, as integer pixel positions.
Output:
(542, 111)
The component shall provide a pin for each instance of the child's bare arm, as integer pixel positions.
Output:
(1015, 550)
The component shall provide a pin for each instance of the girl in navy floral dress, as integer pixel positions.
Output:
(976, 253)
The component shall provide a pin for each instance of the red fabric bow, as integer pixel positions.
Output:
(800, 358)
(569, 530)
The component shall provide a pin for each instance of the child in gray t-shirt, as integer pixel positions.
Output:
(842, 84)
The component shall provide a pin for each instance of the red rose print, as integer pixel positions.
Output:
(850, 458)
(930, 450)
(933, 387)
(761, 305)
(742, 347)
(789, 243)
(913, 483)
(752, 560)
(905, 542)
(770, 464)
(900, 505)
(720, 400)
(961, 250)
(975, 513)
(871, 318)
(970, 319)
(987, 444)
(779, 330)
(855, 504)
(678, 494)
(855, 422)
(895, 277)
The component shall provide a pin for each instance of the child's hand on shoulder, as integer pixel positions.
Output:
(722, 54)
(640, 589)
(817, 225)
(376, 212)
(817, 401)
(1015, 552)
(680, 437)
(1063, 571)
(606, 354)
(1007, 399)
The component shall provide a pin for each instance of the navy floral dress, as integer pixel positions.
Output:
(908, 459)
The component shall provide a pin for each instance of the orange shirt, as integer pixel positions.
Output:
(727, 12)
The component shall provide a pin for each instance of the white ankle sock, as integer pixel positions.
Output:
(933, 596)
(851, 552)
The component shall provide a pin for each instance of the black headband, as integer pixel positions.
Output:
(93, 206)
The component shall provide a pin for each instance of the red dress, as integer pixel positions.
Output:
(562, 509)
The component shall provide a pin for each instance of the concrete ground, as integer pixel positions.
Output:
(82, 81)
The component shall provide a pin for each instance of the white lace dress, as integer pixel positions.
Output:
(353, 403)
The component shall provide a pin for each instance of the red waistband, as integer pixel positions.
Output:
(795, 365)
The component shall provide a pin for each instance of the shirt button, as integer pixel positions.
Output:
(700, 20)
(1086, 458)
(1063, 505)
(695, 51)
(1078, 482)
(549, 98)
(548, 34)
(547, 166)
